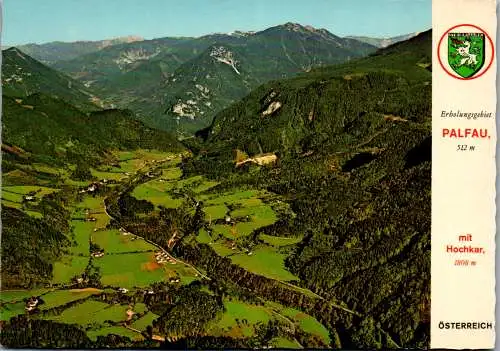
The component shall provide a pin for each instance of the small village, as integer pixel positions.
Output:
(163, 257)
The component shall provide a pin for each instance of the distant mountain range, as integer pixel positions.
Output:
(383, 42)
(59, 51)
(181, 83)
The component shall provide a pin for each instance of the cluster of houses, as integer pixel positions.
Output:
(162, 257)
(98, 254)
(233, 246)
(90, 219)
(81, 280)
(125, 232)
(93, 187)
(32, 303)
(29, 198)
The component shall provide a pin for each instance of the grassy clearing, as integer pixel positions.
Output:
(76, 183)
(62, 297)
(256, 212)
(82, 231)
(151, 155)
(226, 230)
(92, 203)
(279, 241)
(15, 193)
(146, 320)
(67, 268)
(92, 312)
(215, 212)
(130, 270)
(240, 319)
(229, 198)
(107, 175)
(265, 261)
(140, 307)
(283, 343)
(171, 173)
(112, 241)
(159, 185)
(25, 189)
(125, 155)
(204, 186)
(43, 168)
(139, 270)
(115, 330)
(222, 249)
(203, 237)
(10, 310)
(156, 197)
(19, 295)
(102, 219)
(13, 204)
(131, 166)
(308, 324)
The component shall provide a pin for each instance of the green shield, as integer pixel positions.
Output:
(466, 53)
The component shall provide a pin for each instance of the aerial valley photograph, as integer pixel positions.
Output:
(216, 174)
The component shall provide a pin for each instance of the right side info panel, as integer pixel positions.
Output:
(463, 174)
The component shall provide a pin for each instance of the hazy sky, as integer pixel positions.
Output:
(39, 21)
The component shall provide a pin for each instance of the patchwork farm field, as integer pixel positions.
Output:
(136, 270)
(14, 196)
(62, 297)
(242, 319)
(90, 312)
(68, 267)
(116, 242)
(265, 261)
(130, 262)
(230, 217)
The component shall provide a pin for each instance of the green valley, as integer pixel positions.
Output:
(298, 216)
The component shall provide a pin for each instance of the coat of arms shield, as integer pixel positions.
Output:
(466, 53)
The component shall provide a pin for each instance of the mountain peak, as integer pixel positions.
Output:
(15, 51)
(296, 27)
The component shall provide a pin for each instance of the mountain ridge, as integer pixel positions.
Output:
(143, 74)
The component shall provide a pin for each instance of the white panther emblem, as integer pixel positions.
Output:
(467, 58)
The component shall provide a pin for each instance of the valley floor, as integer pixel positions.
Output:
(103, 280)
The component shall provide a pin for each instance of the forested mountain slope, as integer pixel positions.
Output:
(22, 76)
(352, 152)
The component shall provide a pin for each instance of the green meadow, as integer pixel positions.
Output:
(9, 310)
(265, 261)
(62, 297)
(145, 321)
(114, 242)
(67, 268)
(115, 330)
(308, 324)
(90, 312)
(240, 319)
(157, 197)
